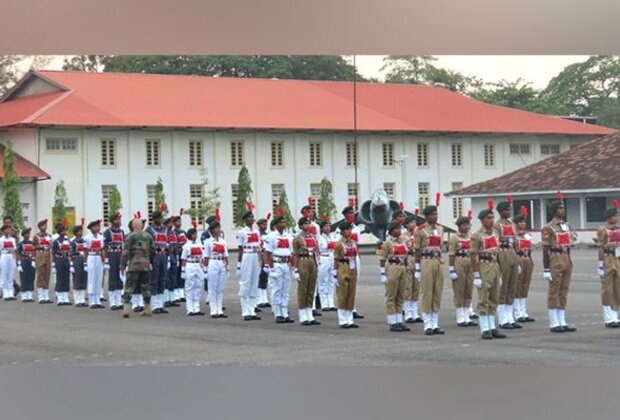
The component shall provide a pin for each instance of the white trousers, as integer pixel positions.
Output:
(95, 279)
(280, 285)
(216, 278)
(7, 274)
(194, 281)
(248, 278)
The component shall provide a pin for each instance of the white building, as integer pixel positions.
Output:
(96, 130)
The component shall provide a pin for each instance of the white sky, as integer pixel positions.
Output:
(537, 69)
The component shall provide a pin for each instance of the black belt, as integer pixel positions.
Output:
(524, 253)
(462, 254)
(344, 260)
(610, 251)
(431, 254)
(396, 261)
(487, 258)
(561, 250)
(281, 260)
(505, 247)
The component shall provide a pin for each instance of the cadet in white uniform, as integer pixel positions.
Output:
(193, 271)
(216, 255)
(93, 244)
(279, 248)
(248, 265)
(8, 262)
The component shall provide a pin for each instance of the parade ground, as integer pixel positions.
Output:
(34, 334)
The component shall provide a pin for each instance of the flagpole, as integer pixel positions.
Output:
(355, 131)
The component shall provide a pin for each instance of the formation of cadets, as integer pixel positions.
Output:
(161, 266)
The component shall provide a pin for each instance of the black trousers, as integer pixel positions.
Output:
(158, 274)
(114, 274)
(26, 277)
(63, 275)
(173, 273)
(80, 277)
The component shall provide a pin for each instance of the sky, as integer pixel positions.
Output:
(537, 69)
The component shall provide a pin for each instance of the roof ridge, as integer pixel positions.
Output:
(39, 112)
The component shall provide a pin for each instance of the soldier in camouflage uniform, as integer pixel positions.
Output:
(136, 259)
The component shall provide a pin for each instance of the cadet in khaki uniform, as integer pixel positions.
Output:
(609, 266)
(509, 265)
(524, 252)
(136, 259)
(460, 271)
(43, 261)
(393, 268)
(345, 271)
(413, 288)
(305, 271)
(558, 265)
(428, 238)
(483, 254)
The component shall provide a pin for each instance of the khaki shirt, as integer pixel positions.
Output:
(304, 244)
(428, 236)
(458, 242)
(345, 249)
(484, 242)
(394, 248)
(506, 232)
(556, 234)
(609, 236)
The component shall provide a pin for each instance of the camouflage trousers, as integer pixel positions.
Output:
(137, 282)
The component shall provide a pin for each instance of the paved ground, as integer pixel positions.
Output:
(50, 335)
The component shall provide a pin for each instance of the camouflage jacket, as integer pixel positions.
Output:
(138, 252)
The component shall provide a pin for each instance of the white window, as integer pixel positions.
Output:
(108, 152)
(195, 153)
(152, 153)
(390, 189)
(316, 152)
(150, 200)
(388, 155)
(276, 191)
(195, 196)
(25, 207)
(106, 191)
(519, 149)
(423, 194)
(236, 153)
(549, 149)
(315, 193)
(353, 191)
(457, 155)
(457, 203)
(234, 194)
(489, 155)
(61, 144)
(423, 155)
(277, 154)
(351, 154)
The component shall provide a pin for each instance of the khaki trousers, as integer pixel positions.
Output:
(610, 285)
(43, 261)
(509, 266)
(431, 285)
(462, 286)
(525, 278)
(561, 269)
(307, 283)
(395, 288)
(412, 290)
(488, 294)
(345, 293)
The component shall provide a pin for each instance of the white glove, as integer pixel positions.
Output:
(106, 264)
(266, 268)
(183, 274)
(519, 269)
(601, 270)
(238, 269)
(417, 273)
(383, 276)
(477, 280)
(296, 275)
(34, 265)
(334, 278)
(71, 269)
(547, 275)
(168, 264)
(53, 268)
(19, 267)
(150, 267)
(453, 275)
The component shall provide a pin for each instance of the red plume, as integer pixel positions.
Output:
(181, 212)
(218, 215)
(560, 195)
(352, 201)
(437, 199)
(470, 214)
(82, 220)
(325, 218)
(401, 206)
(311, 201)
(268, 216)
(162, 207)
(417, 212)
(64, 222)
(351, 217)
(44, 220)
(249, 205)
(491, 204)
(509, 199)
(614, 203)
(280, 211)
(524, 211)
(305, 213)
(139, 214)
(195, 224)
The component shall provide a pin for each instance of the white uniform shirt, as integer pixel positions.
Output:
(249, 239)
(93, 242)
(215, 248)
(7, 245)
(193, 250)
(279, 244)
(327, 244)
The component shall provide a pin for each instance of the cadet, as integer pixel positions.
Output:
(428, 240)
(308, 212)
(61, 249)
(216, 259)
(93, 244)
(508, 263)
(248, 264)
(263, 278)
(355, 235)
(43, 260)
(113, 240)
(25, 265)
(279, 247)
(412, 290)
(558, 265)
(78, 266)
(137, 301)
(192, 271)
(172, 272)
(305, 271)
(325, 279)
(461, 274)
(179, 293)
(609, 266)
(136, 259)
(524, 252)
(8, 262)
(159, 233)
(8, 220)
(487, 275)
(345, 274)
(393, 274)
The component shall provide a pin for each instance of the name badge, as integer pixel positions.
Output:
(435, 232)
(564, 227)
(511, 241)
(528, 236)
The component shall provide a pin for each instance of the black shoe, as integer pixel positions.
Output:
(222, 316)
(529, 319)
(409, 321)
(473, 316)
(557, 329)
(472, 324)
(223, 308)
(569, 329)
(289, 320)
(156, 310)
(438, 331)
(315, 322)
(93, 307)
(306, 323)
(9, 299)
(280, 320)
(612, 325)
(516, 326)
(333, 309)
(163, 311)
(47, 301)
(487, 335)
(345, 326)
(103, 299)
(166, 304)
(396, 328)
(256, 318)
(191, 314)
(418, 320)
(429, 331)
(326, 309)
(506, 326)
(215, 316)
(404, 327)
(267, 305)
(27, 300)
(182, 300)
(257, 310)
(497, 334)
(462, 324)
(315, 312)
(260, 305)
(137, 309)
(521, 319)
(199, 313)
(174, 304)
(357, 315)
(248, 318)
(353, 326)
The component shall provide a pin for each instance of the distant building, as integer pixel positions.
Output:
(98, 130)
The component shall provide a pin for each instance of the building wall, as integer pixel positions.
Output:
(84, 175)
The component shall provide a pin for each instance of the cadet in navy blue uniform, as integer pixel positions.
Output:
(113, 240)
(25, 265)
(173, 264)
(179, 292)
(159, 233)
(61, 250)
(78, 266)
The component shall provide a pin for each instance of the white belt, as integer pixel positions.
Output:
(4, 251)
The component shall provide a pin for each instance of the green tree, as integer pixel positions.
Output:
(115, 201)
(10, 187)
(92, 63)
(244, 183)
(283, 204)
(326, 200)
(160, 197)
(59, 211)
(518, 94)
(208, 202)
(8, 72)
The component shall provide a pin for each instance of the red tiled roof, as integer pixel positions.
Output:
(135, 100)
(23, 167)
(593, 165)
